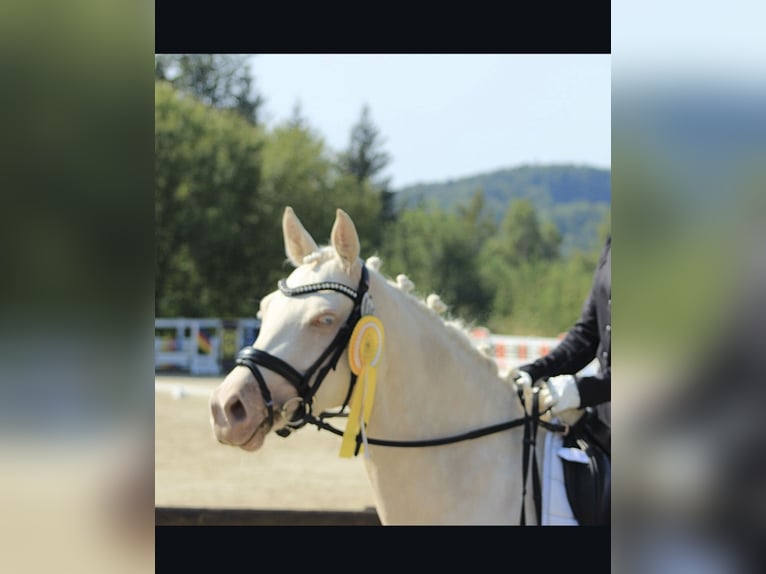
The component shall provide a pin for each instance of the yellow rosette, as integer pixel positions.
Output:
(364, 351)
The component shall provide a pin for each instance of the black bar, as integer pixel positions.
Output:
(175, 516)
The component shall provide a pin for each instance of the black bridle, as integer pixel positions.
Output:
(252, 358)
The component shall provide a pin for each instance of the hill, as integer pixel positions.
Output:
(576, 198)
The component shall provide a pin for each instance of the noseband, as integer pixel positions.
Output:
(252, 358)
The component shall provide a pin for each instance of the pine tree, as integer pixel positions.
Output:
(221, 81)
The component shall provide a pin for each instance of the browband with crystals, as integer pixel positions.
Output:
(314, 287)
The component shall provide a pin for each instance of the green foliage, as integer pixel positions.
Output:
(522, 238)
(508, 276)
(535, 290)
(574, 198)
(300, 171)
(207, 187)
(365, 157)
(543, 185)
(542, 299)
(221, 186)
(580, 224)
(439, 252)
(365, 160)
(218, 80)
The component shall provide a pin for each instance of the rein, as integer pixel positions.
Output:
(484, 431)
(252, 358)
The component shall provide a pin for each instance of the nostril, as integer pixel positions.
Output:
(237, 411)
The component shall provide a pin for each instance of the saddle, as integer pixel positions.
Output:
(587, 476)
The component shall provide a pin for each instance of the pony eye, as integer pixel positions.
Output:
(324, 320)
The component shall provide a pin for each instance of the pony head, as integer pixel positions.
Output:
(298, 364)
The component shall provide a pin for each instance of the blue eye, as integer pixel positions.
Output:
(324, 320)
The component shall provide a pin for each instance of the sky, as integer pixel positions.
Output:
(446, 116)
(720, 43)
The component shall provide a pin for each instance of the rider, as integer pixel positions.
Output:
(590, 337)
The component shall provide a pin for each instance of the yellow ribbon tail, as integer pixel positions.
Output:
(365, 347)
(348, 444)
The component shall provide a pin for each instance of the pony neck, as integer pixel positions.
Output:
(432, 381)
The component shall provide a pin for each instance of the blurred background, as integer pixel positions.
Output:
(689, 176)
(76, 295)
(79, 296)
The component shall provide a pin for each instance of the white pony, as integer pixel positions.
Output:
(430, 383)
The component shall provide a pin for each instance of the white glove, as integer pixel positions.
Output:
(521, 379)
(557, 395)
(560, 394)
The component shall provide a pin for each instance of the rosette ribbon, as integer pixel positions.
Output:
(364, 352)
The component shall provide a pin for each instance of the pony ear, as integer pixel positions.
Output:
(344, 237)
(298, 242)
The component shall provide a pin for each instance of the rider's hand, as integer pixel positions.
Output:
(559, 394)
(521, 379)
(557, 397)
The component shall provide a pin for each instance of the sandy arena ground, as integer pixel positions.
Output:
(301, 472)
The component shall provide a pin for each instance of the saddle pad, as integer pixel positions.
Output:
(556, 510)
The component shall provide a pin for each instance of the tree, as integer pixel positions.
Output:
(299, 170)
(218, 80)
(297, 119)
(365, 160)
(208, 208)
(438, 251)
(475, 214)
(521, 237)
(161, 64)
(535, 291)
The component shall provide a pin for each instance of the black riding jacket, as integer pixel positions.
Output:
(590, 337)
